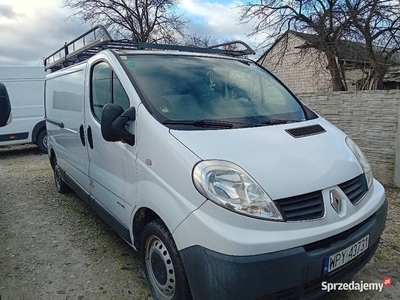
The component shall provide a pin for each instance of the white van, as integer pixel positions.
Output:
(227, 185)
(25, 86)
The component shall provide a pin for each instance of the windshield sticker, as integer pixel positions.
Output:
(210, 75)
(164, 109)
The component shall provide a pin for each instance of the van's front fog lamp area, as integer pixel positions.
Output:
(362, 160)
(231, 187)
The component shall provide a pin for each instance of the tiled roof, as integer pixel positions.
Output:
(348, 50)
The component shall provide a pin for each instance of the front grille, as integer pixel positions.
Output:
(310, 206)
(305, 131)
(355, 188)
(303, 207)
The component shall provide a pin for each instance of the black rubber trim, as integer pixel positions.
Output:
(111, 220)
(14, 136)
(312, 289)
(73, 184)
(308, 206)
(328, 242)
(287, 274)
(300, 132)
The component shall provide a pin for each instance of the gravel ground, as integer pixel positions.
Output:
(53, 246)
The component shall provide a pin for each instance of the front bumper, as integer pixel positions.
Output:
(295, 273)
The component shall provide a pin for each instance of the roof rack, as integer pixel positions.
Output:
(97, 39)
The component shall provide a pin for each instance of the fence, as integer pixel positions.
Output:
(371, 119)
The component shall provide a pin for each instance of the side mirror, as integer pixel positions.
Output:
(113, 121)
(5, 106)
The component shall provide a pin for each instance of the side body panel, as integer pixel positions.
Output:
(65, 96)
(112, 169)
(164, 167)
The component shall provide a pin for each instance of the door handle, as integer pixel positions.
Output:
(82, 135)
(90, 137)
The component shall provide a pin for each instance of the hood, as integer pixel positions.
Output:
(282, 164)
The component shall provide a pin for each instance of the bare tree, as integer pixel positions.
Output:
(195, 40)
(374, 23)
(136, 20)
(324, 18)
(378, 25)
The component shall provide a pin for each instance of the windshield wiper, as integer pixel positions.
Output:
(199, 123)
(270, 122)
(224, 124)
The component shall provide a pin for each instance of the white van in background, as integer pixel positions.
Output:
(25, 86)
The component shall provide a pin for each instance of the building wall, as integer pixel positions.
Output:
(371, 119)
(306, 71)
(301, 72)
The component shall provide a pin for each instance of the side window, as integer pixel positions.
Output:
(101, 87)
(106, 88)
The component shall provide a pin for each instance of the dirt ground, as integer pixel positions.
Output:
(53, 246)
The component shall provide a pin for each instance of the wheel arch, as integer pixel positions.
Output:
(142, 217)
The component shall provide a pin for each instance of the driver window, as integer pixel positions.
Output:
(100, 88)
(106, 88)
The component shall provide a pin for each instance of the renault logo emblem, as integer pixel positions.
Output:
(336, 200)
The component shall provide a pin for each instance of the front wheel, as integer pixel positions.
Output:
(162, 263)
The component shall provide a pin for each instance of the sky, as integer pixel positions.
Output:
(31, 30)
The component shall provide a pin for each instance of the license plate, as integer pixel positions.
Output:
(344, 256)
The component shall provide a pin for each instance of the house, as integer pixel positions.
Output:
(303, 68)
(391, 80)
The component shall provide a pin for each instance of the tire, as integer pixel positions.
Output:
(61, 186)
(162, 263)
(41, 141)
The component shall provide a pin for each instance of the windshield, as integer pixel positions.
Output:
(183, 92)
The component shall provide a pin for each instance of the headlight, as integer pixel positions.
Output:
(362, 159)
(231, 187)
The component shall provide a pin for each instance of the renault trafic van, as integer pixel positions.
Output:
(204, 162)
